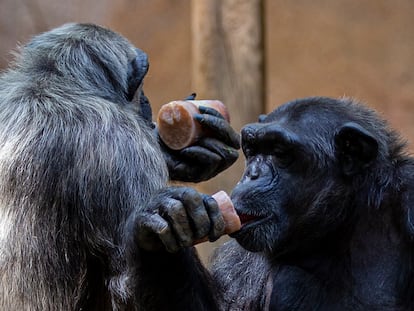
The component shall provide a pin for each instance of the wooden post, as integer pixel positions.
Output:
(228, 64)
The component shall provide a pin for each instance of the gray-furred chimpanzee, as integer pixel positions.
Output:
(326, 202)
(79, 154)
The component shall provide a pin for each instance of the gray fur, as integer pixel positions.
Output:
(244, 277)
(74, 162)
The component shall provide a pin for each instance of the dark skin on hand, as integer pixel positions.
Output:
(209, 155)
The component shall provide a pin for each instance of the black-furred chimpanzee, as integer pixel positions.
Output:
(326, 204)
(78, 155)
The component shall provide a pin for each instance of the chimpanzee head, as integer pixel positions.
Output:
(311, 166)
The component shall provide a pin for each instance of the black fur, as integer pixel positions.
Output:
(327, 182)
(326, 203)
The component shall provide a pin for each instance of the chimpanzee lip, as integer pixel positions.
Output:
(246, 219)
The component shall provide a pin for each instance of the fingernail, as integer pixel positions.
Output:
(199, 117)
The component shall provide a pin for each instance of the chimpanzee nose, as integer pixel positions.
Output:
(254, 169)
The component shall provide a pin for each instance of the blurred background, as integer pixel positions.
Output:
(252, 54)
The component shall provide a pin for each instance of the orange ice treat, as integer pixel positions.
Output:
(176, 125)
(231, 219)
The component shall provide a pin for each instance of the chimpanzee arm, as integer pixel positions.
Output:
(178, 281)
(160, 252)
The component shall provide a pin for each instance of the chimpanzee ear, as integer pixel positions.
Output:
(355, 148)
(137, 69)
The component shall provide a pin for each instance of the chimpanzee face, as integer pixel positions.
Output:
(296, 187)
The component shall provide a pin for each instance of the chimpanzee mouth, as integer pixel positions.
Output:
(249, 219)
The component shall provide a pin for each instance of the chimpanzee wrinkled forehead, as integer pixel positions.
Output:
(324, 113)
(312, 108)
(317, 119)
(314, 114)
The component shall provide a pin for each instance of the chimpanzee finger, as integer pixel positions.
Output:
(196, 210)
(210, 111)
(221, 129)
(152, 230)
(194, 172)
(174, 212)
(168, 239)
(216, 218)
(201, 154)
(220, 148)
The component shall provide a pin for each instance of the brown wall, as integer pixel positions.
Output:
(159, 27)
(361, 49)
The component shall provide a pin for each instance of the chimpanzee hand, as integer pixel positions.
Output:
(209, 155)
(175, 218)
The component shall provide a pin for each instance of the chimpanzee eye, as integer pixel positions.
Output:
(249, 147)
(247, 150)
(284, 157)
